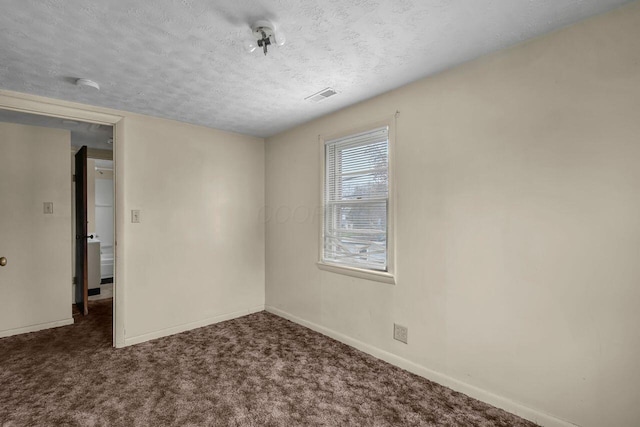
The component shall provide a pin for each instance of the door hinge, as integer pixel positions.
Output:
(73, 178)
(75, 280)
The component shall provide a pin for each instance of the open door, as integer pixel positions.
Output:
(82, 278)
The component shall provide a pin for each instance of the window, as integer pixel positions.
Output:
(355, 231)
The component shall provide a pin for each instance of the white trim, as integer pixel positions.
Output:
(35, 328)
(119, 218)
(191, 325)
(376, 276)
(26, 103)
(501, 402)
(390, 276)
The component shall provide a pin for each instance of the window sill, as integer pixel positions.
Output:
(376, 276)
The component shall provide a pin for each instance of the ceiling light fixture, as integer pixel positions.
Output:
(87, 83)
(264, 33)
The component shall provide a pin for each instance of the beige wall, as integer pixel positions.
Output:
(518, 227)
(35, 285)
(198, 254)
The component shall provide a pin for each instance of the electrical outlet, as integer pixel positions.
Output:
(400, 333)
(48, 207)
(135, 216)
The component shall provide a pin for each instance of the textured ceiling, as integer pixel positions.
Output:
(185, 59)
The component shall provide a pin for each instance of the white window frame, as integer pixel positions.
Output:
(388, 276)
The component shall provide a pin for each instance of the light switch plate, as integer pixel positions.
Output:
(135, 216)
(48, 208)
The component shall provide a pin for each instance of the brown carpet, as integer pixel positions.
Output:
(258, 370)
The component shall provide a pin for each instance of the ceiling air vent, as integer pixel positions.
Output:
(322, 95)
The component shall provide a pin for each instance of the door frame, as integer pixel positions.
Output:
(32, 104)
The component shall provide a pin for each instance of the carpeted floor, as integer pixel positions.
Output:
(258, 370)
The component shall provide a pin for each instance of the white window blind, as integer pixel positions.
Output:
(356, 200)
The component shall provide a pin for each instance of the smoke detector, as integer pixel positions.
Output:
(87, 83)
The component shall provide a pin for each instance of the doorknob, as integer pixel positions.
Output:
(3, 261)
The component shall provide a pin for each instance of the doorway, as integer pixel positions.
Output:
(93, 207)
(101, 247)
(99, 140)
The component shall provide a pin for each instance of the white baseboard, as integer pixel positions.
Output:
(501, 402)
(35, 328)
(191, 325)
